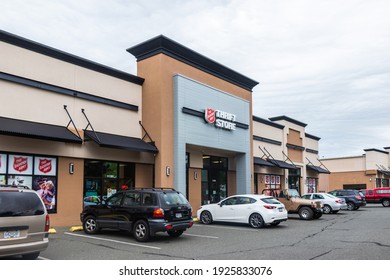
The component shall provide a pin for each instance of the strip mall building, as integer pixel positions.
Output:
(81, 131)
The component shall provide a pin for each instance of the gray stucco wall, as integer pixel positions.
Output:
(190, 129)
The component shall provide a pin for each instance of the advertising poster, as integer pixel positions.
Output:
(17, 180)
(45, 166)
(46, 187)
(2, 180)
(20, 164)
(266, 178)
(272, 179)
(277, 178)
(3, 163)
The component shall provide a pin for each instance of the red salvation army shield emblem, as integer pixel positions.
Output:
(210, 115)
(44, 165)
(20, 164)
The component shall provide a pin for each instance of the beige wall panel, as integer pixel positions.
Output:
(267, 131)
(87, 150)
(294, 137)
(275, 150)
(195, 193)
(143, 176)
(70, 193)
(311, 143)
(373, 159)
(295, 155)
(232, 188)
(323, 182)
(42, 68)
(345, 164)
(26, 103)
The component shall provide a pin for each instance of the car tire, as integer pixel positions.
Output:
(386, 203)
(256, 221)
(317, 215)
(350, 205)
(90, 225)
(32, 256)
(306, 213)
(141, 231)
(327, 209)
(206, 217)
(175, 233)
(356, 208)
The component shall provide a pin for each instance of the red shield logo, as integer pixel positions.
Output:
(20, 164)
(44, 165)
(210, 115)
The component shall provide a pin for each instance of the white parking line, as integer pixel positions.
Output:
(202, 236)
(112, 240)
(224, 227)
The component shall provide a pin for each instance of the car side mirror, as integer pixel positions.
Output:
(220, 204)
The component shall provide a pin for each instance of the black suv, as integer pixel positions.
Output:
(144, 212)
(354, 198)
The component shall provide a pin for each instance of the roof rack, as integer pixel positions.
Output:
(13, 186)
(154, 189)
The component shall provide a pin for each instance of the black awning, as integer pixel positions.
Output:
(21, 128)
(282, 164)
(384, 172)
(262, 162)
(120, 142)
(318, 169)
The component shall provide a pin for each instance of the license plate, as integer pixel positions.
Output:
(11, 234)
(280, 209)
(178, 215)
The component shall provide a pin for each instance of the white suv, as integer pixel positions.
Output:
(24, 223)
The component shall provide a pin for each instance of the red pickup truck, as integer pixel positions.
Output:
(378, 195)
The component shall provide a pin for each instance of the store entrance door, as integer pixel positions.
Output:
(214, 179)
(294, 179)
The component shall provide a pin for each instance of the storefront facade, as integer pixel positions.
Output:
(367, 171)
(78, 131)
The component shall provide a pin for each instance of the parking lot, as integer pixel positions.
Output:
(362, 234)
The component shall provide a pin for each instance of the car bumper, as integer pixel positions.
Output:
(275, 217)
(163, 226)
(23, 248)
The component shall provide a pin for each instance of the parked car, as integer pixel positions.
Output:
(144, 212)
(378, 195)
(255, 210)
(353, 198)
(332, 204)
(24, 222)
(305, 208)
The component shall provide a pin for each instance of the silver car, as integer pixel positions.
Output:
(332, 204)
(24, 223)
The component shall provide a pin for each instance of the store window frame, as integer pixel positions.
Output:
(45, 185)
(103, 184)
(214, 171)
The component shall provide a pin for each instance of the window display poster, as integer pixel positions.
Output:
(45, 166)
(272, 179)
(277, 180)
(2, 179)
(266, 178)
(3, 163)
(46, 187)
(17, 180)
(20, 164)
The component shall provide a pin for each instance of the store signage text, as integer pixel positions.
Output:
(45, 165)
(220, 119)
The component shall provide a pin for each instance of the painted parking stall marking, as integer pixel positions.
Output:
(114, 241)
(201, 236)
(224, 227)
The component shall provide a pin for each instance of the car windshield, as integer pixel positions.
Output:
(293, 193)
(174, 198)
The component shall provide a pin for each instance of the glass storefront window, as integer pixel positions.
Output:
(103, 179)
(214, 179)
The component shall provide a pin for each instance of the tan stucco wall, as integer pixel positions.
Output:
(232, 188)
(157, 117)
(294, 137)
(143, 176)
(295, 155)
(194, 186)
(357, 163)
(375, 159)
(69, 193)
(338, 179)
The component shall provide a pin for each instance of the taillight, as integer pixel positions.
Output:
(269, 207)
(47, 223)
(358, 197)
(158, 213)
(338, 201)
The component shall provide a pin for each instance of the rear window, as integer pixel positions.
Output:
(20, 204)
(174, 198)
(270, 200)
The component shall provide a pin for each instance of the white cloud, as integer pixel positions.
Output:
(325, 63)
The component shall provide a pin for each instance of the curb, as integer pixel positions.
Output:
(195, 220)
(76, 228)
(52, 231)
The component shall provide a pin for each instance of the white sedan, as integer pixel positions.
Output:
(256, 210)
(332, 204)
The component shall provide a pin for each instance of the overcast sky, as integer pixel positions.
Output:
(325, 63)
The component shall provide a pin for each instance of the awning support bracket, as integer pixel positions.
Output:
(146, 134)
(287, 158)
(90, 125)
(71, 122)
